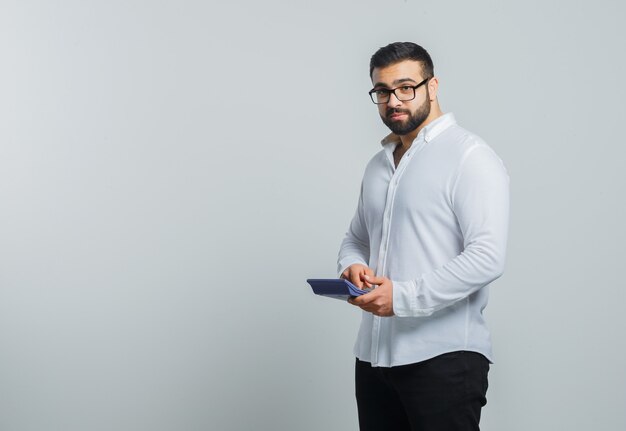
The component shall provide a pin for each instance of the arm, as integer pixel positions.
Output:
(480, 201)
(354, 251)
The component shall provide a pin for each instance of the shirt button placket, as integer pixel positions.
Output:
(382, 259)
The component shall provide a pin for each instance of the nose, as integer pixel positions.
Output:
(393, 101)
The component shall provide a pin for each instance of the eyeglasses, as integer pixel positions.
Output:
(404, 93)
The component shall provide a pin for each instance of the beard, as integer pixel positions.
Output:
(415, 119)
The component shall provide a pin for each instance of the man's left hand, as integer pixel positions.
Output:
(380, 300)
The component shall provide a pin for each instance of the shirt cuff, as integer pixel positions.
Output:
(405, 300)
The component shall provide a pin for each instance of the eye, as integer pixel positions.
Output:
(381, 92)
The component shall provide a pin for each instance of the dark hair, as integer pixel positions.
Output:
(400, 51)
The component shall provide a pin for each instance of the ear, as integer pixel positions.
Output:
(433, 87)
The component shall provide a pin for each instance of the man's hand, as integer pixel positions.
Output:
(356, 273)
(380, 300)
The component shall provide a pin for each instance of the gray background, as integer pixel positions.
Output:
(172, 172)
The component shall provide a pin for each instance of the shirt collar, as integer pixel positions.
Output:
(429, 132)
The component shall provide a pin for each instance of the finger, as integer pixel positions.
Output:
(376, 280)
(364, 299)
(353, 301)
(372, 281)
(370, 309)
(365, 278)
(356, 280)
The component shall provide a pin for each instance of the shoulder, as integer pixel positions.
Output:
(477, 164)
(377, 161)
(461, 144)
(459, 139)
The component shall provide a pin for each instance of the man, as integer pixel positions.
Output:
(429, 235)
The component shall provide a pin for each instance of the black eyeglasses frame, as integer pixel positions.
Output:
(391, 91)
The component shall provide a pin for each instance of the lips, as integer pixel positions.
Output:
(395, 115)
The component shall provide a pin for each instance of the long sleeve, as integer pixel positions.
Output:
(355, 245)
(480, 200)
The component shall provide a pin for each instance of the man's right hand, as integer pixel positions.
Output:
(356, 273)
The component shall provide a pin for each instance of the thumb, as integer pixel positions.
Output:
(375, 280)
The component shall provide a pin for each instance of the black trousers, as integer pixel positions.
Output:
(445, 393)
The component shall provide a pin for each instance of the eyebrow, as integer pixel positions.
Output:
(395, 82)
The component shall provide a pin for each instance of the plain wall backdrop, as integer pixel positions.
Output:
(172, 171)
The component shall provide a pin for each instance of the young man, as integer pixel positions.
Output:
(429, 234)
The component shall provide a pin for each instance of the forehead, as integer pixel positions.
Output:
(398, 71)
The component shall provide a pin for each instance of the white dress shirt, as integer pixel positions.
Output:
(437, 227)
